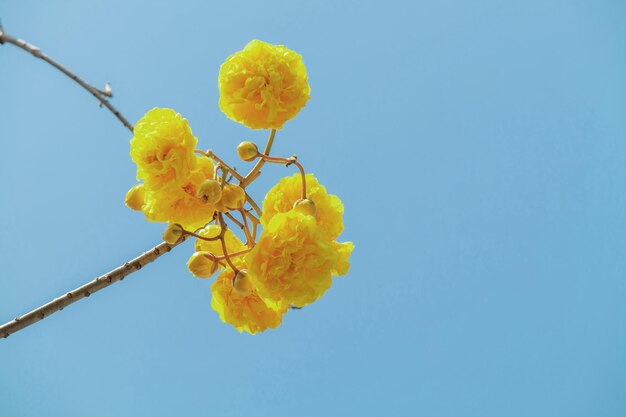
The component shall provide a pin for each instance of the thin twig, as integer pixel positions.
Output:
(252, 217)
(288, 161)
(254, 205)
(237, 222)
(257, 167)
(86, 290)
(210, 154)
(249, 240)
(97, 93)
(224, 249)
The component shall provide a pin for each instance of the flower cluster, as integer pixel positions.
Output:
(263, 86)
(287, 251)
(163, 149)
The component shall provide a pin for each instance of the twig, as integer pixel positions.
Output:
(232, 218)
(257, 167)
(254, 205)
(210, 154)
(86, 290)
(97, 93)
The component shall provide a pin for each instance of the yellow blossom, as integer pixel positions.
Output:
(180, 203)
(233, 243)
(292, 262)
(281, 198)
(263, 85)
(245, 312)
(162, 147)
(343, 251)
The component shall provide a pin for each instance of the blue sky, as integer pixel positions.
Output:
(478, 148)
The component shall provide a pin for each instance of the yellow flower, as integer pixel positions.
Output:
(163, 148)
(292, 262)
(281, 198)
(263, 85)
(245, 312)
(180, 203)
(233, 243)
(343, 252)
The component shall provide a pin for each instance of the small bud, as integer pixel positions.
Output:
(247, 151)
(242, 284)
(210, 191)
(233, 196)
(173, 233)
(305, 206)
(135, 197)
(202, 264)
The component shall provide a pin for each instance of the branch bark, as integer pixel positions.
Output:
(103, 281)
(97, 93)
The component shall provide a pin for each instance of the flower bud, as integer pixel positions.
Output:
(305, 206)
(135, 197)
(247, 151)
(233, 196)
(210, 191)
(202, 264)
(242, 284)
(173, 233)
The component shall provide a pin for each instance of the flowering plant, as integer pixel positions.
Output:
(287, 251)
(291, 262)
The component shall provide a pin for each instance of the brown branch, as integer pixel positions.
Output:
(86, 290)
(97, 93)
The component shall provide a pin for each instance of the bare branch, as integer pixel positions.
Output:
(97, 93)
(86, 290)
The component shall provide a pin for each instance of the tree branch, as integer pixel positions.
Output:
(86, 290)
(97, 93)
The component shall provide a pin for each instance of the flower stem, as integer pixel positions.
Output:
(254, 205)
(288, 161)
(234, 254)
(254, 172)
(211, 155)
(249, 240)
(223, 241)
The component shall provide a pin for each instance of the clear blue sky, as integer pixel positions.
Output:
(479, 149)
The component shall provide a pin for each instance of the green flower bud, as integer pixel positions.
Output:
(173, 233)
(135, 197)
(242, 284)
(202, 264)
(305, 206)
(247, 151)
(233, 196)
(210, 191)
